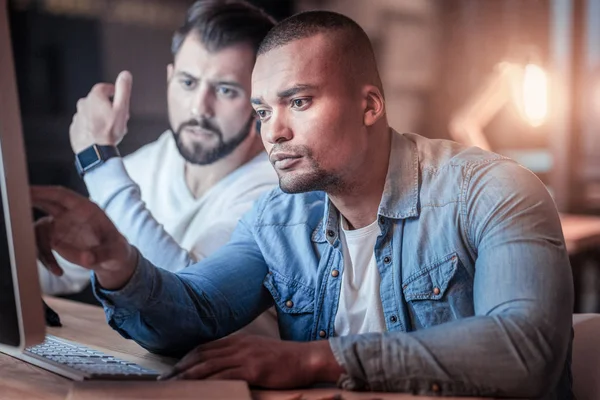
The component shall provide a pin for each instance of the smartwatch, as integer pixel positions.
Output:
(94, 156)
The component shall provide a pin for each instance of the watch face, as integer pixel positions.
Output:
(88, 158)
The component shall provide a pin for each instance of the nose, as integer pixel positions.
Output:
(203, 103)
(277, 130)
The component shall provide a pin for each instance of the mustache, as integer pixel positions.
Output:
(200, 123)
(301, 151)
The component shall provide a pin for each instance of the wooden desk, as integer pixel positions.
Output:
(86, 324)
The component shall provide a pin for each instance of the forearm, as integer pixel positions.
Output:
(160, 315)
(113, 190)
(513, 354)
(170, 313)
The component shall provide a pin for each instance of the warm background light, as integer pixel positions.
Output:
(535, 94)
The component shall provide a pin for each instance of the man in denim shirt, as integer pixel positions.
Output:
(469, 284)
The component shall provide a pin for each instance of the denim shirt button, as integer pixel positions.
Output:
(289, 304)
(335, 273)
(436, 291)
(393, 318)
(435, 388)
(322, 334)
(387, 259)
(330, 233)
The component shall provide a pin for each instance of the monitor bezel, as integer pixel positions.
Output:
(16, 201)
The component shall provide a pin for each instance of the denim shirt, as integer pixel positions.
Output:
(476, 285)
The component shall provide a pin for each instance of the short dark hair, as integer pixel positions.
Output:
(307, 24)
(222, 23)
(352, 41)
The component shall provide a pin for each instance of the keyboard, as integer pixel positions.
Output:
(79, 362)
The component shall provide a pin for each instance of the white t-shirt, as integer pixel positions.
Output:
(146, 197)
(359, 308)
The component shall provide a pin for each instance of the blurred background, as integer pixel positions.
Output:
(519, 77)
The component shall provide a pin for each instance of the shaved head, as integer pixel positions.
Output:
(350, 46)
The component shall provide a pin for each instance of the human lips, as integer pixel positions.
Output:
(199, 132)
(284, 160)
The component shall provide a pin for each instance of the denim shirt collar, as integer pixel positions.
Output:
(400, 193)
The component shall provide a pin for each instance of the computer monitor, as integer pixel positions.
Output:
(22, 321)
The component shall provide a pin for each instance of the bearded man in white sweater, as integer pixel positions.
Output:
(179, 198)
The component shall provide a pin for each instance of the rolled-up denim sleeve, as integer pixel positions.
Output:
(517, 342)
(170, 313)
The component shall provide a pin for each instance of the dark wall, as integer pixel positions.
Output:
(57, 59)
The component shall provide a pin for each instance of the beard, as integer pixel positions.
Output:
(199, 154)
(315, 179)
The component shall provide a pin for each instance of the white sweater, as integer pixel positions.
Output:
(146, 197)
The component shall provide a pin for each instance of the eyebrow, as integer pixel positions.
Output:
(187, 75)
(284, 94)
(218, 83)
(229, 83)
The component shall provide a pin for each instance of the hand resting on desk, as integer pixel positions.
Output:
(260, 361)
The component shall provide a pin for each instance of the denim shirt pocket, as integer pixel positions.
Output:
(295, 304)
(441, 292)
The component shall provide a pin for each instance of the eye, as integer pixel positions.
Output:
(187, 83)
(227, 92)
(300, 103)
(262, 114)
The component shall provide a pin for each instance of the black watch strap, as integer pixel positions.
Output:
(94, 156)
